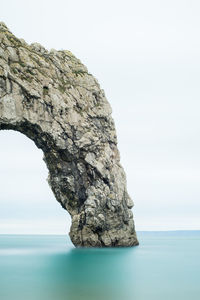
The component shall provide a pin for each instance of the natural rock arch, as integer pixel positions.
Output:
(52, 99)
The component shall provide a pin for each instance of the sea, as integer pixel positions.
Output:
(165, 266)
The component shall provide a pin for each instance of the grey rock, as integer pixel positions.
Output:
(12, 54)
(52, 99)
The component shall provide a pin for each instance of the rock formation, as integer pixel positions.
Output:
(52, 99)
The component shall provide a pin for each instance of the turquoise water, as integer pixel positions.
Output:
(166, 265)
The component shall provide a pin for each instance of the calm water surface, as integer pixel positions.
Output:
(166, 265)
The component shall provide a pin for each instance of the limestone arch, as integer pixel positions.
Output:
(52, 99)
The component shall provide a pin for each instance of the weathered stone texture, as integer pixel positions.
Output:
(51, 98)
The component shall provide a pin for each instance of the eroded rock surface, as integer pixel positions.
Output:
(51, 98)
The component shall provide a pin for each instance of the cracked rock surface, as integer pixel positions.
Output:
(51, 98)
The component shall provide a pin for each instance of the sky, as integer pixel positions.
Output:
(146, 56)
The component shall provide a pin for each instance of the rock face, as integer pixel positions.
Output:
(52, 99)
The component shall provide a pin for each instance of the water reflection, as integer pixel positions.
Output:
(73, 274)
(161, 268)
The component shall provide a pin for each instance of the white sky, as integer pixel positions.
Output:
(146, 56)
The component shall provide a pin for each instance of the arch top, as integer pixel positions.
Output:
(50, 97)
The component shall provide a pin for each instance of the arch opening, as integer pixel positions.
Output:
(28, 205)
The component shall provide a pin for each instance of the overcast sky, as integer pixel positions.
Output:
(146, 56)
